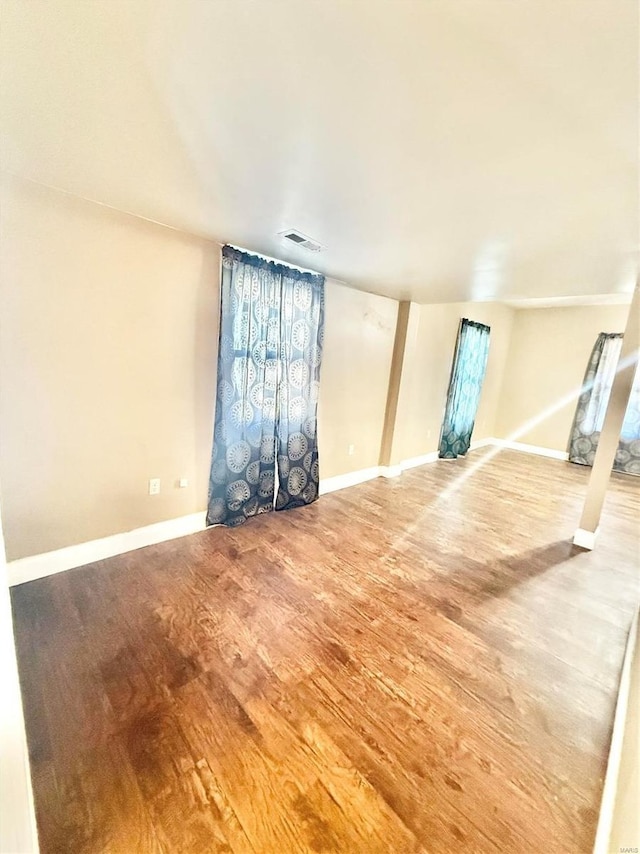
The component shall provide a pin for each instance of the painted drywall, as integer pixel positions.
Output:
(107, 369)
(427, 367)
(548, 356)
(108, 363)
(354, 380)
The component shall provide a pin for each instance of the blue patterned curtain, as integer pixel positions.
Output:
(268, 368)
(465, 385)
(302, 332)
(592, 406)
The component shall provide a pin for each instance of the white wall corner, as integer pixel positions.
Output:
(585, 539)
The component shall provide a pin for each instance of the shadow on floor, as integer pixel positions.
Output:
(499, 577)
(509, 572)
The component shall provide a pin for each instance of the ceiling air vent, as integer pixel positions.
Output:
(300, 239)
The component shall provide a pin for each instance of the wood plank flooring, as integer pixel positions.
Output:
(424, 664)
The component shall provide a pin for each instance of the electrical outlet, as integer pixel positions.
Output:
(183, 483)
(154, 485)
(351, 450)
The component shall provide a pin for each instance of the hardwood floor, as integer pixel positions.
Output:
(404, 666)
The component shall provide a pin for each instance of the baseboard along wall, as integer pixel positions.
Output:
(352, 478)
(29, 568)
(38, 566)
(529, 449)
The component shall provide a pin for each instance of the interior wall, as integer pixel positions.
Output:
(107, 369)
(354, 380)
(108, 363)
(548, 356)
(431, 343)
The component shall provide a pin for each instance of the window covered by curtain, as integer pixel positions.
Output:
(465, 385)
(592, 406)
(270, 348)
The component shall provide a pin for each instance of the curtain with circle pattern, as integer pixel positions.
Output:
(270, 348)
(592, 407)
(465, 385)
(301, 338)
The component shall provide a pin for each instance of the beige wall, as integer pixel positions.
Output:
(548, 356)
(356, 361)
(108, 360)
(428, 358)
(107, 369)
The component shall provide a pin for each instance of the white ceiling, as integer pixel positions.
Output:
(440, 149)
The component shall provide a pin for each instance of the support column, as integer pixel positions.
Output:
(391, 468)
(587, 533)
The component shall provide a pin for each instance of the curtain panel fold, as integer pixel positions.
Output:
(301, 340)
(465, 385)
(592, 406)
(270, 349)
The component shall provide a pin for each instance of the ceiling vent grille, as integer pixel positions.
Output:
(298, 239)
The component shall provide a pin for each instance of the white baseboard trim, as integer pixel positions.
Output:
(341, 481)
(49, 563)
(527, 449)
(414, 462)
(482, 443)
(352, 478)
(585, 539)
(38, 566)
(391, 471)
(29, 568)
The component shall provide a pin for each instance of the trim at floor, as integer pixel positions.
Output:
(529, 449)
(38, 566)
(352, 478)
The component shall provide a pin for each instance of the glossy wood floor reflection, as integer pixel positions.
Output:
(423, 664)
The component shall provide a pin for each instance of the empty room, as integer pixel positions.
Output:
(319, 426)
